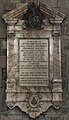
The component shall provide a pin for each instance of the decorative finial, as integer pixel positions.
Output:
(35, 1)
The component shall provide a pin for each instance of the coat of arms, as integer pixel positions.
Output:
(33, 17)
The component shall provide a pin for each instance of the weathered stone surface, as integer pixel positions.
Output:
(63, 113)
(51, 3)
(33, 97)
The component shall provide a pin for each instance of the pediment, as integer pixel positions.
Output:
(15, 14)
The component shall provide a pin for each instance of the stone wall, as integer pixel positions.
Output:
(52, 113)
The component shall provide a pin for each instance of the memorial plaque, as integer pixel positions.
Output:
(34, 81)
(33, 62)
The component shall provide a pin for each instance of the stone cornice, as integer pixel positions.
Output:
(53, 15)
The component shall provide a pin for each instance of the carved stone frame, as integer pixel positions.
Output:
(45, 96)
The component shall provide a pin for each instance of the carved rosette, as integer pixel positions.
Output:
(34, 99)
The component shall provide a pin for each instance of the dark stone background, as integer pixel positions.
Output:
(52, 113)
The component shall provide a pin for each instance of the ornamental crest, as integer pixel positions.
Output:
(33, 17)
